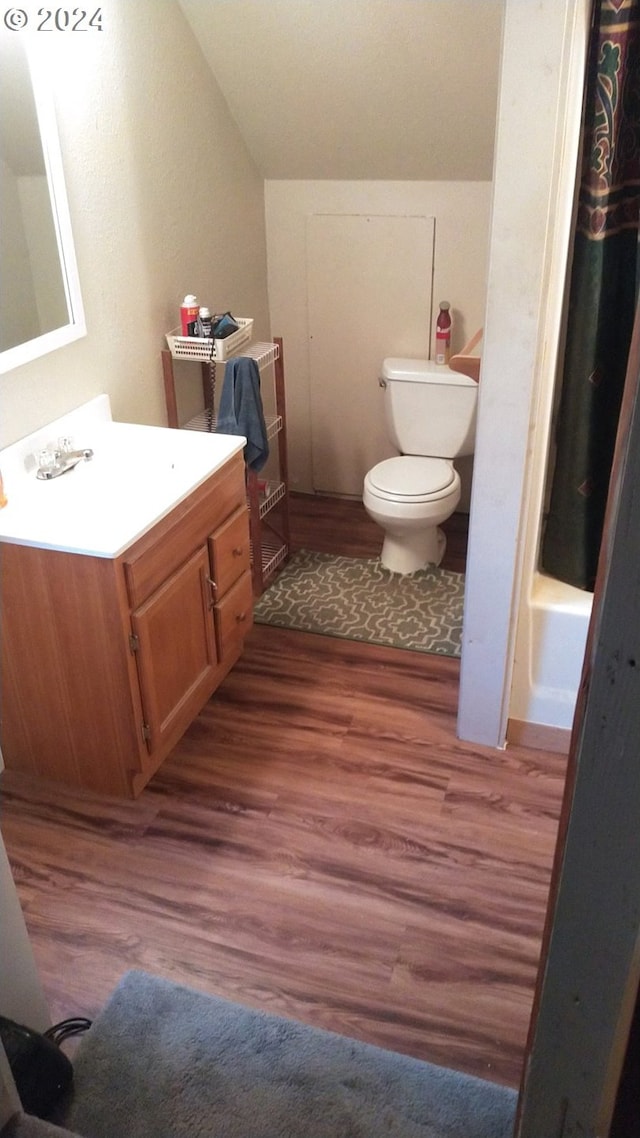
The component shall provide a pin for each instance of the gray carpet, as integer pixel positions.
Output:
(165, 1061)
(355, 598)
(25, 1126)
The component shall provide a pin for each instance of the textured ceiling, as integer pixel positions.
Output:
(351, 89)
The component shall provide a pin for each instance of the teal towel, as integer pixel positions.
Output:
(240, 411)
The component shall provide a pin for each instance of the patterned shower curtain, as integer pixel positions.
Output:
(602, 295)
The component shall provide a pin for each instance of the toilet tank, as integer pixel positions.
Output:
(429, 409)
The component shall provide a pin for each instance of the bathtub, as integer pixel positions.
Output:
(550, 644)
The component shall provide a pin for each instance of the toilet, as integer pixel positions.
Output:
(430, 414)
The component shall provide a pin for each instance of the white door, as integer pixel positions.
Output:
(369, 282)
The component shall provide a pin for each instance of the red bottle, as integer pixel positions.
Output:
(443, 333)
(189, 310)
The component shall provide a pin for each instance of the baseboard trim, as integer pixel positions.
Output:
(539, 736)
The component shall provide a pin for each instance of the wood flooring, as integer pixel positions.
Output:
(319, 845)
(341, 525)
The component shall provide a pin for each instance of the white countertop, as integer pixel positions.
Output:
(137, 475)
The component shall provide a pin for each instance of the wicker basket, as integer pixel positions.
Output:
(201, 348)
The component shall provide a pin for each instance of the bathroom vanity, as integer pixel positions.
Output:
(126, 592)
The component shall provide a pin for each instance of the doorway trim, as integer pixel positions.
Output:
(531, 221)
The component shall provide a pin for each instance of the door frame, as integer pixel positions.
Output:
(590, 962)
(529, 245)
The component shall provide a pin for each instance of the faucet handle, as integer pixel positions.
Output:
(47, 459)
(52, 462)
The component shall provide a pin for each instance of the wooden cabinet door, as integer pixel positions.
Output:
(176, 651)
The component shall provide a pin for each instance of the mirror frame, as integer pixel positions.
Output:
(76, 328)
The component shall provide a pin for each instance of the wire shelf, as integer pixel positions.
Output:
(275, 496)
(206, 422)
(263, 354)
(272, 556)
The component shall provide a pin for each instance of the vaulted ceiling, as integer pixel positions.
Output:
(358, 89)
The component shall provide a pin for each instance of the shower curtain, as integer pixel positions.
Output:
(602, 295)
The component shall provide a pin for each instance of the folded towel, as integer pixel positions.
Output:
(240, 411)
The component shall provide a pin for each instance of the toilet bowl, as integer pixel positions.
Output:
(430, 414)
(410, 497)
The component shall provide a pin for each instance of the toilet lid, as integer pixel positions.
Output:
(411, 477)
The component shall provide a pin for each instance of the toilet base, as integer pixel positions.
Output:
(415, 551)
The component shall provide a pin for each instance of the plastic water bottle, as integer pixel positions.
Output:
(443, 333)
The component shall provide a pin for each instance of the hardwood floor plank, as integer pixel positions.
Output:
(316, 517)
(319, 844)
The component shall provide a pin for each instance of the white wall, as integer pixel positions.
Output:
(21, 995)
(538, 124)
(461, 211)
(164, 200)
(553, 617)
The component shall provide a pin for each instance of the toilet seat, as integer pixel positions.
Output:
(412, 478)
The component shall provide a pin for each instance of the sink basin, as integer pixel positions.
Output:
(137, 475)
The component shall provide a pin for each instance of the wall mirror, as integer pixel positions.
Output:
(40, 302)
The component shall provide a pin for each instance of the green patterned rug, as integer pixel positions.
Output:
(354, 598)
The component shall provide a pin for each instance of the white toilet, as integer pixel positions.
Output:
(430, 413)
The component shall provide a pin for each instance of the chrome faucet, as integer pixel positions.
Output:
(55, 461)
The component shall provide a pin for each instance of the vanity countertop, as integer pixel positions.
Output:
(137, 475)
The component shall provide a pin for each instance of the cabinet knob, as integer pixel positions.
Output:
(213, 590)
(240, 617)
(238, 551)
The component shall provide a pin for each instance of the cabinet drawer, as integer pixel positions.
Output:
(234, 614)
(152, 559)
(230, 553)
